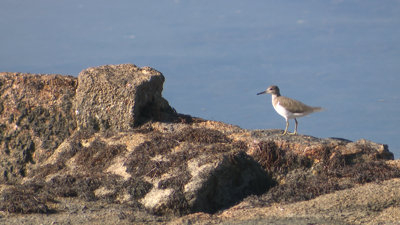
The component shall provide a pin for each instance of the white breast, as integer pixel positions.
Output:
(283, 112)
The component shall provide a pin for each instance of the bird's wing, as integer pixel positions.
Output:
(294, 106)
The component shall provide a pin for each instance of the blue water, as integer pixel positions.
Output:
(217, 55)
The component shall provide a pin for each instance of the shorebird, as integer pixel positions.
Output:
(287, 107)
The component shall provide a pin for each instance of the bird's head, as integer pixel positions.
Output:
(273, 90)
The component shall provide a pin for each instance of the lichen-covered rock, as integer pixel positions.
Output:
(192, 169)
(36, 116)
(223, 183)
(311, 146)
(119, 97)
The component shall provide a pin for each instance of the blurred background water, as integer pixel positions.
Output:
(343, 55)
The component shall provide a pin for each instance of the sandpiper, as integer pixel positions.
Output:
(287, 107)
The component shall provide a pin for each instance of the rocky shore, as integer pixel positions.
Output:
(107, 148)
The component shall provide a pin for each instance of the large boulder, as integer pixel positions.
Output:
(36, 116)
(119, 97)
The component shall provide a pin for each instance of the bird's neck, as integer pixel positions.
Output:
(274, 96)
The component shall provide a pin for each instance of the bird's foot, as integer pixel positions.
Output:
(287, 133)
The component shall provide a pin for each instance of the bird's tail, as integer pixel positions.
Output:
(318, 109)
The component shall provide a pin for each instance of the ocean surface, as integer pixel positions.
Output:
(342, 55)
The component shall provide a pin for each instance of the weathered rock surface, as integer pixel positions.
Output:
(119, 97)
(373, 203)
(120, 154)
(36, 116)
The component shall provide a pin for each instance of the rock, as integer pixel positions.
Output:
(119, 97)
(361, 146)
(36, 116)
(373, 203)
(135, 160)
(192, 170)
(310, 146)
(38, 112)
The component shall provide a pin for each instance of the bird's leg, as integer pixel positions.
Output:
(295, 127)
(287, 125)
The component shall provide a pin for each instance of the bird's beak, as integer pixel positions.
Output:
(262, 93)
